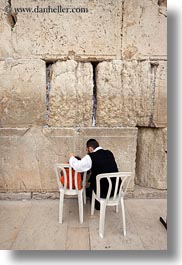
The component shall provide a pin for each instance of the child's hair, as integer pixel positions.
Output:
(77, 157)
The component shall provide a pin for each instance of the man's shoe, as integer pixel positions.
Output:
(97, 205)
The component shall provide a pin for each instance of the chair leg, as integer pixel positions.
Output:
(123, 215)
(61, 200)
(102, 218)
(92, 203)
(117, 209)
(80, 205)
(84, 196)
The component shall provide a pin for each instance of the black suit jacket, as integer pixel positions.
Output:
(103, 161)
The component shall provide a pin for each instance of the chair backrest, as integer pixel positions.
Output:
(122, 179)
(67, 172)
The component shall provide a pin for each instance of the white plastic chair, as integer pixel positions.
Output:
(111, 201)
(70, 191)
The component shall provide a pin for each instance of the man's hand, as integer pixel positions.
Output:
(70, 155)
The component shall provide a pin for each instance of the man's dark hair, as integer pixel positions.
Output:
(92, 143)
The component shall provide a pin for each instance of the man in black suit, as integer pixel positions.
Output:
(98, 161)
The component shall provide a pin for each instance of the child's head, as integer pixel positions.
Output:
(77, 157)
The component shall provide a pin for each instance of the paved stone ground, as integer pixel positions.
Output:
(33, 225)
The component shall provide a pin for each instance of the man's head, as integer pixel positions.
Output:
(91, 145)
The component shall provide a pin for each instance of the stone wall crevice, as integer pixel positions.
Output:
(48, 88)
(10, 14)
(153, 75)
(94, 112)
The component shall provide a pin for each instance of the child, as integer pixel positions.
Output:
(79, 178)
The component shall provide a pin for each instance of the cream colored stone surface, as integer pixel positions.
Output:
(33, 225)
(131, 93)
(71, 94)
(160, 95)
(6, 48)
(22, 93)
(88, 35)
(41, 229)
(151, 170)
(144, 29)
(27, 155)
(80, 240)
(14, 215)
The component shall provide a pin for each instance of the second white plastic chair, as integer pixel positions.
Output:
(116, 200)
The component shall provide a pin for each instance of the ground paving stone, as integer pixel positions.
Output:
(33, 225)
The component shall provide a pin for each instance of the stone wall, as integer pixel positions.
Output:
(152, 151)
(22, 93)
(28, 154)
(144, 29)
(131, 93)
(69, 34)
(82, 69)
(71, 94)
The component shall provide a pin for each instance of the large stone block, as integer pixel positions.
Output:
(22, 93)
(159, 86)
(131, 93)
(71, 94)
(151, 162)
(80, 30)
(6, 48)
(144, 29)
(27, 155)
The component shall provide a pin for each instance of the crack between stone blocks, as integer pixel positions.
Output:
(11, 15)
(48, 88)
(162, 7)
(122, 25)
(76, 69)
(162, 3)
(154, 66)
(94, 108)
(26, 131)
(161, 12)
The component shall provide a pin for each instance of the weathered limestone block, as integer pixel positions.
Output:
(71, 94)
(92, 32)
(131, 93)
(120, 93)
(6, 48)
(22, 93)
(159, 79)
(144, 29)
(27, 155)
(151, 162)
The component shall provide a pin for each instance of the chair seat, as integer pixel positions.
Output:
(110, 202)
(71, 192)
